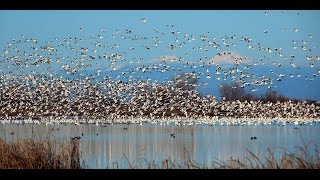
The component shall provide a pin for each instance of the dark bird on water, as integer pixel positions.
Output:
(254, 137)
(76, 138)
(173, 135)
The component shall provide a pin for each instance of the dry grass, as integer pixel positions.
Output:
(302, 158)
(49, 154)
(45, 154)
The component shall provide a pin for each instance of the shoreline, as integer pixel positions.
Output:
(178, 121)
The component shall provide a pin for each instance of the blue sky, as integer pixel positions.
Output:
(47, 25)
(271, 29)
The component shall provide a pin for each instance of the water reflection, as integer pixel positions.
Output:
(113, 146)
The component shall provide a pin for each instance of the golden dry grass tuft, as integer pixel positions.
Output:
(44, 154)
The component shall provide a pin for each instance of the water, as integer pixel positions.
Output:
(112, 146)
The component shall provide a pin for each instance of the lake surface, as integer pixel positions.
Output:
(111, 146)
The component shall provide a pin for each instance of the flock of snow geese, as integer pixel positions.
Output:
(101, 79)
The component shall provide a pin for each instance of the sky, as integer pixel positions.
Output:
(281, 30)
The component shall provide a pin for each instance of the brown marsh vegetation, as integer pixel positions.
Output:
(302, 158)
(44, 154)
